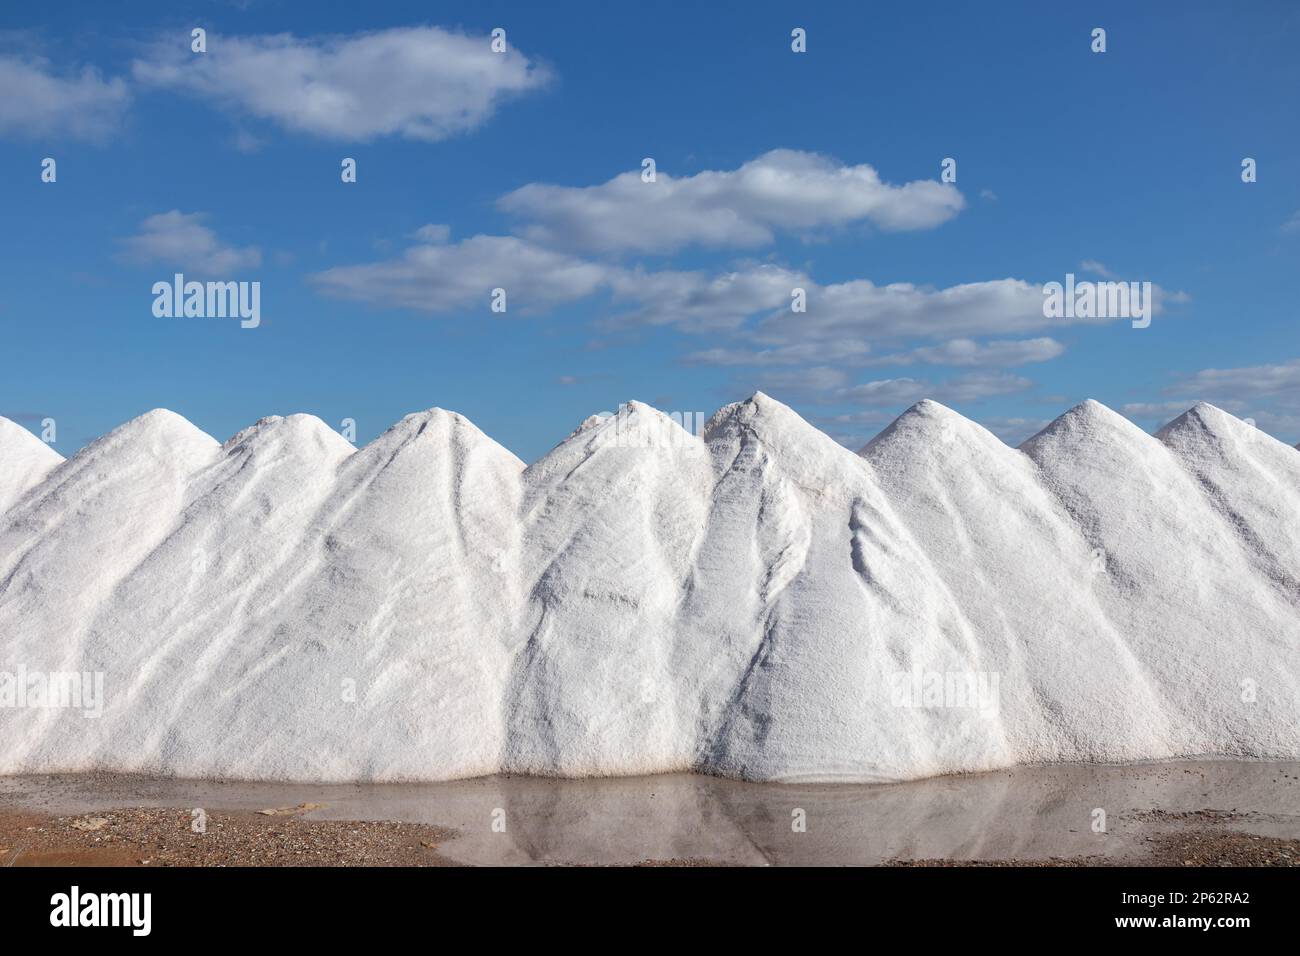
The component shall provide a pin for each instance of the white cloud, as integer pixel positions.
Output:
(180, 240)
(815, 383)
(1161, 411)
(1251, 382)
(1265, 393)
(1001, 353)
(976, 386)
(1096, 268)
(838, 315)
(1292, 225)
(422, 83)
(861, 416)
(848, 353)
(971, 387)
(900, 311)
(700, 301)
(783, 190)
(437, 276)
(857, 310)
(435, 233)
(1015, 431)
(1283, 425)
(37, 102)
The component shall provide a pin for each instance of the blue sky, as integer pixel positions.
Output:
(775, 170)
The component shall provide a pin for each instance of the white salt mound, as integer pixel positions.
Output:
(756, 602)
(24, 461)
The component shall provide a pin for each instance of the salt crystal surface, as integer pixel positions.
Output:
(756, 601)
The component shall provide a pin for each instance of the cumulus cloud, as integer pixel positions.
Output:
(38, 102)
(438, 276)
(180, 240)
(782, 190)
(421, 83)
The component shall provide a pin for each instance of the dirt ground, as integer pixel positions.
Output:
(1195, 847)
(165, 837)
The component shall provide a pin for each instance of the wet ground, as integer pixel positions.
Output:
(1172, 813)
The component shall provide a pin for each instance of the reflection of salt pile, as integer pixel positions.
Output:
(644, 600)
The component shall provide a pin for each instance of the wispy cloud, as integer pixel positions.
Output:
(828, 385)
(1014, 430)
(1264, 393)
(1250, 382)
(1093, 267)
(970, 387)
(40, 102)
(436, 276)
(1002, 353)
(180, 240)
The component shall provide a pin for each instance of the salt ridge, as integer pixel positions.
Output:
(641, 599)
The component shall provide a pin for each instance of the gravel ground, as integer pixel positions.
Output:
(1194, 847)
(163, 837)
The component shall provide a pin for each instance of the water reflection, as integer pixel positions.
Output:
(1028, 813)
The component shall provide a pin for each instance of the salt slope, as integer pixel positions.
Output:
(611, 520)
(1250, 478)
(645, 600)
(24, 461)
(1216, 633)
(1024, 585)
(810, 593)
(308, 613)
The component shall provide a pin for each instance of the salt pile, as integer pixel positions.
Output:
(24, 461)
(757, 601)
